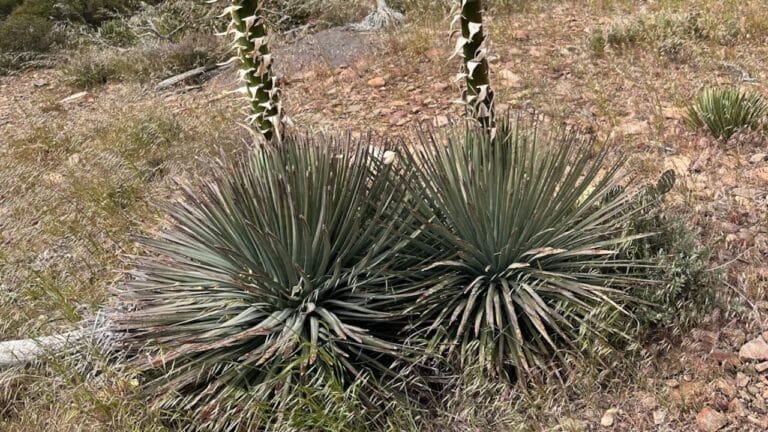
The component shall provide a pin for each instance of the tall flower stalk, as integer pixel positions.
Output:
(251, 42)
(478, 95)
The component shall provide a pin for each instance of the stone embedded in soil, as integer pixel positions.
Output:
(759, 157)
(736, 406)
(756, 349)
(710, 420)
(441, 120)
(762, 423)
(609, 417)
(659, 416)
(762, 367)
(377, 82)
(741, 379)
(521, 35)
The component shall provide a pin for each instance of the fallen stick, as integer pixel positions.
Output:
(172, 81)
(26, 351)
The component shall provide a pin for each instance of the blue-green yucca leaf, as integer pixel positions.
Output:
(523, 232)
(725, 111)
(285, 269)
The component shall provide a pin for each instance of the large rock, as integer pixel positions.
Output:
(710, 420)
(756, 349)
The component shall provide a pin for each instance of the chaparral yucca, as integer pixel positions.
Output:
(528, 227)
(275, 293)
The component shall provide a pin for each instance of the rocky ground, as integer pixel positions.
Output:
(54, 140)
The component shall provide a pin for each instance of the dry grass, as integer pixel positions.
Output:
(79, 181)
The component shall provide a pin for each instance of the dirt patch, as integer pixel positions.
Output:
(333, 47)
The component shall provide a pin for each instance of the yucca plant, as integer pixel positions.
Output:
(279, 280)
(724, 111)
(527, 227)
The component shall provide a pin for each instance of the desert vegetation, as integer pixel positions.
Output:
(333, 244)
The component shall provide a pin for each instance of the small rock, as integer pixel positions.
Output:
(521, 35)
(672, 113)
(377, 82)
(40, 83)
(510, 79)
(354, 108)
(53, 178)
(741, 379)
(672, 383)
(758, 402)
(609, 417)
(304, 76)
(762, 367)
(389, 157)
(659, 416)
(726, 387)
(439, 86)
(759, 157)
(710, 420)
(74, 159)
(572, 424)
(634, 127)
(736, 406)
(347, 75)
(762, 423)
(745, 192)
(399, 118)
(756, 349)
(441, 120)
(73, 97)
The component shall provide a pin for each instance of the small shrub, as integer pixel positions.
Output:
(678, 291)
(7, 6)
(117, 32)
(673, 49)
(681, 290)
(724, 111)
(530, 233)
(179, 18)
(597, 42)
(93, 69)
(38, 8)
(27, 33)
(274, 299)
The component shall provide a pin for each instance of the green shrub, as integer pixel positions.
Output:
(7, 6)
(530, 228)
(680, 288)
(92, 69)
(26, 33)
(38, 8)
(179, 18)
(147, 63)
(117, 32)
(724, 111)
(274, 297)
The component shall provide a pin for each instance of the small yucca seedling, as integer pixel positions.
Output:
(278, 281)
(724, 111)
(527, 229)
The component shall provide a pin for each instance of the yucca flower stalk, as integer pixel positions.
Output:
(470, 45)
(251, 43)
(528, 228)
(281, 279)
